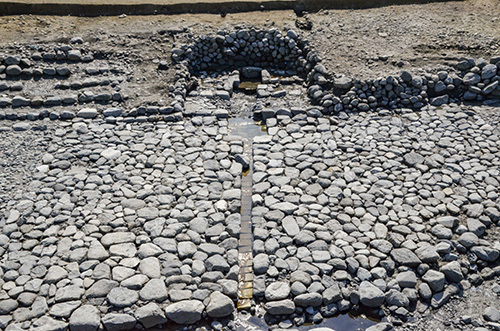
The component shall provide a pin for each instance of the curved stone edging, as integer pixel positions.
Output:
(474, 80)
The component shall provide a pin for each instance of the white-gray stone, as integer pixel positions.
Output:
(277, 291)
(122, 297)
(85, 318)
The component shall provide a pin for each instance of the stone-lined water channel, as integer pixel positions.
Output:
(244, 126)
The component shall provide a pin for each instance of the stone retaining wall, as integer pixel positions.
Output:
(251, 50)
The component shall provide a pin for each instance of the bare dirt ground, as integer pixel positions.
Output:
(360, 43)
(355, 42)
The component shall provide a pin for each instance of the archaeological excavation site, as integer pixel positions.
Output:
(252, 165)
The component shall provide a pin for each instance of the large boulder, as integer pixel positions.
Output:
(471, 78)
(413, 159)
(122, 297)
(260, 264)
(150, 315)
(407, 279)
(405, 257)
(342, 82)
(13, 70)
(395, 298)
(489, 71)
(491, 314)
(453, 271)
(383, 326)
(251, 72)
(435, 279)
(308, 300)
(46, 323)
(117, 322)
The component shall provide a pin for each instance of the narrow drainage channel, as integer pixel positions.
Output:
(245, 255)
(245, 127)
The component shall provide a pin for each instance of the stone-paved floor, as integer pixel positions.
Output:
(125, 225)
(377, 208)
(121, 221)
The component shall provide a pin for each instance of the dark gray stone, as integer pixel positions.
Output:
(370, 295)
(185, 312)
(283, 307)
(219, 305)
